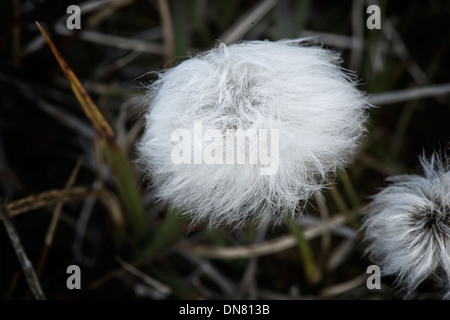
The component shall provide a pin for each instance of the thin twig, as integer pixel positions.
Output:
(244, 24)
(67, 118)
(81, 226)
(59, 205)
(340, 202)
(73, 194)
(227, 287)
(25, 263)
(102, 71)
(103, 39)
(334, 40)
(94, 5)
(325, 217)
(340, 253)
(409, 94)
(144, 277)
(344, 286)
(420, 77)
(248, 282)
(357, 34)
(169, 41)
(264, 248)
(122, 42)
(49, 197)
(105, 12)
(376, 165)
(55, 218)
(402, 52)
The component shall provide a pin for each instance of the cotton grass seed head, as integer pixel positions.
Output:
(408, 225)
(250, 130)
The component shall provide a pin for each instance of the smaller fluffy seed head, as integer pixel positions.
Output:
(296, 89)
(408, 225)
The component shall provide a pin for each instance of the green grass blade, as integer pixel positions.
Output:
(117, 159)
(312, 273)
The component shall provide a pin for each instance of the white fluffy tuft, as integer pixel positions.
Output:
(287, 85)
(408, 225)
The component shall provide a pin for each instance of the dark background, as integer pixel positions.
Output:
(43, 133)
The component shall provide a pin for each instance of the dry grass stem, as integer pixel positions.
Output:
(144, 277)
(51, 197)
(397, 96)
(25, 263)
(169, 42)
(246, 22)
(264, 248)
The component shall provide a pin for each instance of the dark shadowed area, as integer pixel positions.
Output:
(44, 134)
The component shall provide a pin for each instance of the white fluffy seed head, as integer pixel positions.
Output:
(291, 86)
(407, 226)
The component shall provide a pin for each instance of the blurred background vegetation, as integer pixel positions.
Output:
(44, 134)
